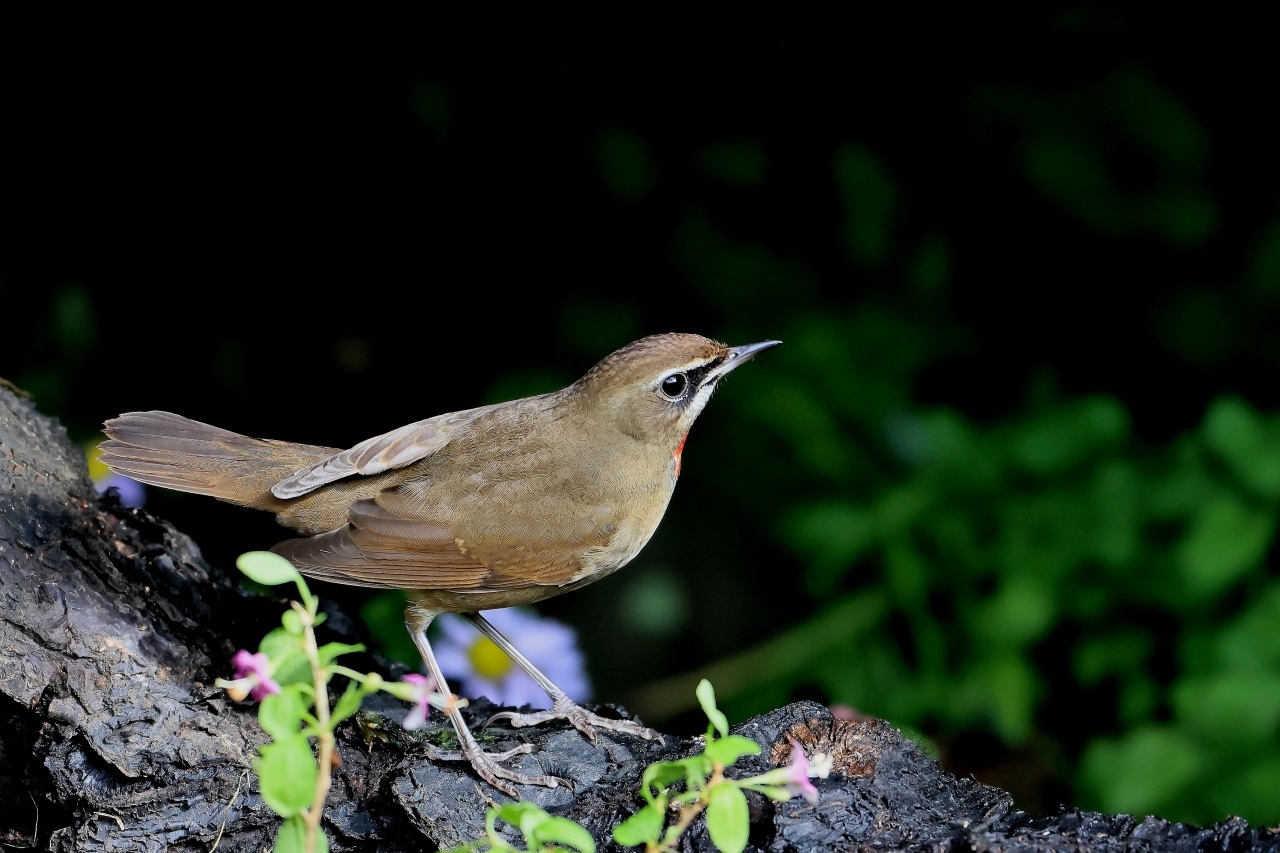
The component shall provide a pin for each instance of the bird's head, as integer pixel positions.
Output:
(654, 388)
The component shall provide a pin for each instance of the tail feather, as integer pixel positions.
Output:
(168, 450)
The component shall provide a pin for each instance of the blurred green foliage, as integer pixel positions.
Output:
(1012, 478)
(1051, 560)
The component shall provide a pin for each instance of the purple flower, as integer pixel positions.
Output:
(253, 677)
(477, 667)
(797, 775)
(132, 493)
(783, 783)
(423, 692)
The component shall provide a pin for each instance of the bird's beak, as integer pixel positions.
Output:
(738, 356)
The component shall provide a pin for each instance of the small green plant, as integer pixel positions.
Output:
(675, 793)
(541, 831)
(698, 783)
(289, 677)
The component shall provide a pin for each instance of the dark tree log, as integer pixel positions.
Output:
(113, 737)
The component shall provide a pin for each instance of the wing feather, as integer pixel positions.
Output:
(394, 449)
(387, 543)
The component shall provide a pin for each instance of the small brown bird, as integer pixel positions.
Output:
(486, 508)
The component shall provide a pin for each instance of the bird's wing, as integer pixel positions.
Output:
(394, 449)
(385, 544)
(388, 544)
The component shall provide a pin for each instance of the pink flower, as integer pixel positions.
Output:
(253, 677)
(422, 695)
(782, 783)
(846, 712)
(797, 776)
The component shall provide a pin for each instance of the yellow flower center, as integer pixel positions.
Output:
(97, 470)
(489, 661)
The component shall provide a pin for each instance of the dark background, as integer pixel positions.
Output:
(1037, 228)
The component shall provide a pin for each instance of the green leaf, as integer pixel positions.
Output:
(280, 714)
(530, 818)
(541, 829)
(564, 832)
(1145, 770)
(729, 749)
(773, 792)
(1247, 442)
(291, 837)
(642, 827)
(659, 775)
(833, 535)
(707, 699)
(728, 821)
(1058, 440)
(525, 816)
(292, 622)
(289, 663)
(287, 773)
(267, 568)
(402, 690)
(348, 703)
(1241, 708)
(516, 813)
(696, 770)
(278, 643)
(1228, 538)
(330, 651)
(290, 667)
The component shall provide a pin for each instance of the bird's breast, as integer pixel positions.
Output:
(635, 522)
(525, 506)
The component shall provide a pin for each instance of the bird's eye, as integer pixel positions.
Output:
(674, 385)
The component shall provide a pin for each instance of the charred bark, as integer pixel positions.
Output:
(113, 737)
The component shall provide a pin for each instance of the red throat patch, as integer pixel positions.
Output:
(679, 450)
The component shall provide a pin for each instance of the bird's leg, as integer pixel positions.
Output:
(562, 707)
(485, 763)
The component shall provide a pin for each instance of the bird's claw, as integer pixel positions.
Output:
(583, 720)
(489, 769)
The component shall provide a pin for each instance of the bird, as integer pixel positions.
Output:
(497, 506)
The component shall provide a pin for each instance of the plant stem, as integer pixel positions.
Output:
(324, 759)
(359, 677)
(690, 812)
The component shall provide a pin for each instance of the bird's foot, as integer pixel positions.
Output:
(489, 768)
(583, 720)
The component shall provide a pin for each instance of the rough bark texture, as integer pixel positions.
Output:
(113, 737)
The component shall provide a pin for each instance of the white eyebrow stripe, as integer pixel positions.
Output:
(685, 368)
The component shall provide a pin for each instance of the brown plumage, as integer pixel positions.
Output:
(485, 508)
